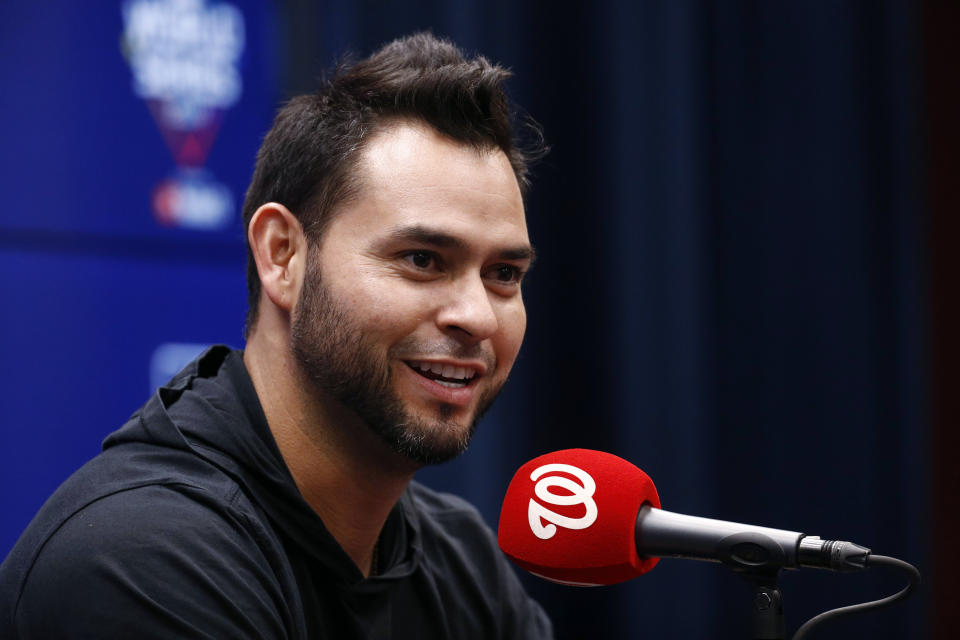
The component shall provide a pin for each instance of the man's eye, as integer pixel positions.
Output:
(507, 274)
(420, 259)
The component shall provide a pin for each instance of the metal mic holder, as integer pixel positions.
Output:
(758, 559)
(768, 621)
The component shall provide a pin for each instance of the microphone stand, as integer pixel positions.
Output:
(768, 621)
(758, 559)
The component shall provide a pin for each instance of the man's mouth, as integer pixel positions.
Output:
(447, 375)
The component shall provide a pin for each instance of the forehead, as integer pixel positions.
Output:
(410, 175)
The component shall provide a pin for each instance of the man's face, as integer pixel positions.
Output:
(410, 314)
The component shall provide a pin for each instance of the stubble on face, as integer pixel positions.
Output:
(344, 363)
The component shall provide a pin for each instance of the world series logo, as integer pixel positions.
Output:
(581, 493)
(185, 55)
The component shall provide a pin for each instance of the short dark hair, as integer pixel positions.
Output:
(308, 158)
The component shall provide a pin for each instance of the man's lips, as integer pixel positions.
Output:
(448, 382)
(449, 374)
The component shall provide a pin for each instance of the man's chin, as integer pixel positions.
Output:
(426, 442)
(423, 452)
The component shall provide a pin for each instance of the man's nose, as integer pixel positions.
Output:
(467, 310)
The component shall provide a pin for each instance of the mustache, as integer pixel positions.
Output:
(411, 348)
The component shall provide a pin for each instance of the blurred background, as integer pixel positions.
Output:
(746, 278)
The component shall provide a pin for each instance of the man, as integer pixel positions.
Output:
(268, 493)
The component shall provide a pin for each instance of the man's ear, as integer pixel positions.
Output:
(279, 247)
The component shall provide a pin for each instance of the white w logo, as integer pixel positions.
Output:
(579, 494)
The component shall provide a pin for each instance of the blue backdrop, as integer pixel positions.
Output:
(730, 292)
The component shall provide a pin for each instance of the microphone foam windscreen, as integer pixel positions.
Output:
(570, 516)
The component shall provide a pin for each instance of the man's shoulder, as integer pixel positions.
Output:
(130, 505)
(155, 510)
(144, 517)
(148, 480)
(171, 547)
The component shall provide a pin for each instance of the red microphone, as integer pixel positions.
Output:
(588, 518)
(570, 517)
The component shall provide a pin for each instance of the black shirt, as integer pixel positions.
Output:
(189, 525)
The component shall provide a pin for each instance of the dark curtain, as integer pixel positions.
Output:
(730, 292)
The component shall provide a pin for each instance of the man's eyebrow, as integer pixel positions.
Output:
(443, 240)
(519, 253)
(426, 235)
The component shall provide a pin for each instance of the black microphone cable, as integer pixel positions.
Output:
(872, 561)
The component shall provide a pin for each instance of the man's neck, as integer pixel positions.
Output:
(344, 472)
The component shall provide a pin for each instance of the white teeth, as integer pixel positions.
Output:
(455, 385)
(445, 370)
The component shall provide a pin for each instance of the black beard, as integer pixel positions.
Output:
(341, 363)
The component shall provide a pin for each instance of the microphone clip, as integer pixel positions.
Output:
(758, 558)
